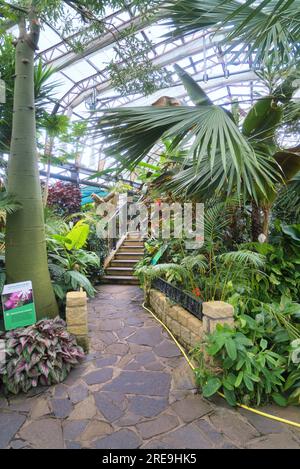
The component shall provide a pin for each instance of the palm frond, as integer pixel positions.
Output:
(260, 28)
(204, 131)
(243, 258)
(198, 262)
(152, 272)
(8, 203)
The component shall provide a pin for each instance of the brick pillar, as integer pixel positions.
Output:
(76, 317)
(216, 312)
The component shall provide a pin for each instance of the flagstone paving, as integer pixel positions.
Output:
(134, 390)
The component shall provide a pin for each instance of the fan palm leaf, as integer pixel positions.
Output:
(266, 26)
(203, 131)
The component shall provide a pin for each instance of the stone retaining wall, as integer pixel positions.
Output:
(185, 326)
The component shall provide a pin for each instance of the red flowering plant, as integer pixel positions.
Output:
(41, 354)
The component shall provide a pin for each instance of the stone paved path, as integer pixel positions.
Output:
(134, 390)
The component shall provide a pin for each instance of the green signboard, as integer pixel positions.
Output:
(18, 305)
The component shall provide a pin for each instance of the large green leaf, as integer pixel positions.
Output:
(211, 387)
(262, 119)
(77, 236)
(259, 28)
(195, 92)
(289, 163)
(204, 131)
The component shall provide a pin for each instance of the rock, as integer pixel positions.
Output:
(78, 393)
(141, 382)
(61, 407)
(40, 408)
(134, 322)
(85, 409)
(128, 420)
(60, 391)
(22, 404)
(73, 445)
(73, 429)
(10, 422)
(154, 366)
(117, 349)
(18, 444)
(106, 361)
(99, 376)
(122, 439)
(111, 405)
(150, 336)
(147, 406)
(191, 408)
(212, 434)
(274, 441)
(188, 436)
(96, 429)
(161, 424)
(183, 377)
(145, 357)
(233, 426)
(263, 424)
(167, 349)
(43, 434)
(110, 324)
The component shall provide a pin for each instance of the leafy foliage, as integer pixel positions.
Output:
(256, 362)
(64, 198)
(264, 27)
(42, 354)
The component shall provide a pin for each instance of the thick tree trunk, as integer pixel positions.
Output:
(256, 224)
(266, 220)
(49, 148)
(26, 255)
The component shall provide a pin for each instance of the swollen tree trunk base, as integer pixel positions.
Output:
(26, 254)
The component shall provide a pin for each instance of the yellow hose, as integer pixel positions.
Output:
(250, 409)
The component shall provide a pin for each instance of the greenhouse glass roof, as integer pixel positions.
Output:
(84, 79)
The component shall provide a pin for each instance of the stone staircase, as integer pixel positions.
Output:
(121, 266)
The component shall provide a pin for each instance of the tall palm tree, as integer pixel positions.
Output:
(221, 157)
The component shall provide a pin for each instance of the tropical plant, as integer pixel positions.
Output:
(55, 125)
(69, 263)
(220, 159)
(38, 355)
(26, 256)
(64, 198)
(261, 28)
(44, 90)
(258, 361)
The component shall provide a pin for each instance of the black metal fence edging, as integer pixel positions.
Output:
(188, 302)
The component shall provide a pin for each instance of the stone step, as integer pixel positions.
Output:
(133, 242)
(120, 280)
(136, 256)
(119, 271)
(131, 249)
(124, 262)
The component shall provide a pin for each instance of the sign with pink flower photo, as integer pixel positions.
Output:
(18, 305)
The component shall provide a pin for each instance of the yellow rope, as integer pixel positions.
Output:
(250, 409)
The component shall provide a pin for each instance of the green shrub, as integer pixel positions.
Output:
(256, 362)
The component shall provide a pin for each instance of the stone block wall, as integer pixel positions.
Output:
(185, 326)
(76, 317)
